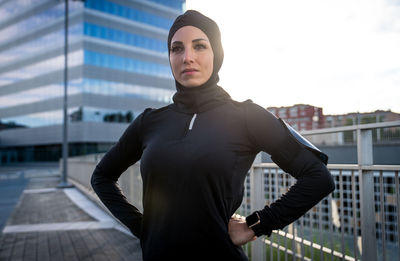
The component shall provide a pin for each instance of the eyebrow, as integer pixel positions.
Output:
(193, 41)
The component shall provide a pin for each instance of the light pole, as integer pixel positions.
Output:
(64, 182)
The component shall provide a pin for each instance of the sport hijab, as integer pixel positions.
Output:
(208, 95)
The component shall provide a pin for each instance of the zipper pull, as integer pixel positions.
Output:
(192, 121)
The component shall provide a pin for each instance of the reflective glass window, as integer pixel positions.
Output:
(15, 7)
(37, 119)
(87, 86)
(176, 4)
(31, 23)
(129, 13)
(93, 114)
(40, 94)
(40, 45)
(126, 90)
(43, 67)
(126, 64)
(125, 37)
(75, 114)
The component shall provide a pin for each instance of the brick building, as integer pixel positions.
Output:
(300, 116)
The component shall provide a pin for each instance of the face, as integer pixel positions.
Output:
(191, 56)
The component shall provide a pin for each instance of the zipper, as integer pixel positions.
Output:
(192, 121)
(190, 127)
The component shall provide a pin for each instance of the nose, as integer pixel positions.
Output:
(188, 56)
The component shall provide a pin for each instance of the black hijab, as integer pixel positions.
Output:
(208, 95)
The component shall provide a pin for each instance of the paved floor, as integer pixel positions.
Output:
(11, 187)
(60, 224)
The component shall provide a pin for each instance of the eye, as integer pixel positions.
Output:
(175, 49)
(200, 46)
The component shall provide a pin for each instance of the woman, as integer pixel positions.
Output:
(195, 154)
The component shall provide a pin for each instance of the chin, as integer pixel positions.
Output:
(190, 84)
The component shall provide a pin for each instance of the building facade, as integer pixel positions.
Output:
(308, 117)
(117, 66)
(300, 116)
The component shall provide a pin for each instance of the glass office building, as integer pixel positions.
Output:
(117, 66)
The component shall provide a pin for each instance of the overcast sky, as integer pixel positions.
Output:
(341, 55)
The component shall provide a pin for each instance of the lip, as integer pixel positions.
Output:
(189, 71)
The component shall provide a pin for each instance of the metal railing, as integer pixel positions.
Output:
(341, 227)
(359, 220)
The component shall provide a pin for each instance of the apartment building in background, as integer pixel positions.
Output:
(304, 117)
(117, 66)
(300, 116)
(355, 118)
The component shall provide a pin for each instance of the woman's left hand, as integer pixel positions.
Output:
(239, 232)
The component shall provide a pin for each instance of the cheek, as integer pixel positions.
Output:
(173, 64)
(210, 64)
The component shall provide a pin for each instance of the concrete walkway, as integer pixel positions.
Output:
(62, 224)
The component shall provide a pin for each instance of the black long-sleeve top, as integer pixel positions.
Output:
(193, 167)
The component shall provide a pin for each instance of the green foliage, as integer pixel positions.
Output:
(348, 136)
(272, 252)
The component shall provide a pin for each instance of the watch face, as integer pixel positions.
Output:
(252, 219)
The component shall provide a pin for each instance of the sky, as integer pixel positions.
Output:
(341, 55)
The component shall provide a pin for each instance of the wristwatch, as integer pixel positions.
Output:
(254, 222)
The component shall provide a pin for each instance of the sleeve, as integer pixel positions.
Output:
(314, 181)
(123, 154)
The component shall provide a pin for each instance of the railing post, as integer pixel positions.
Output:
(257, 202)
(367, 201)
